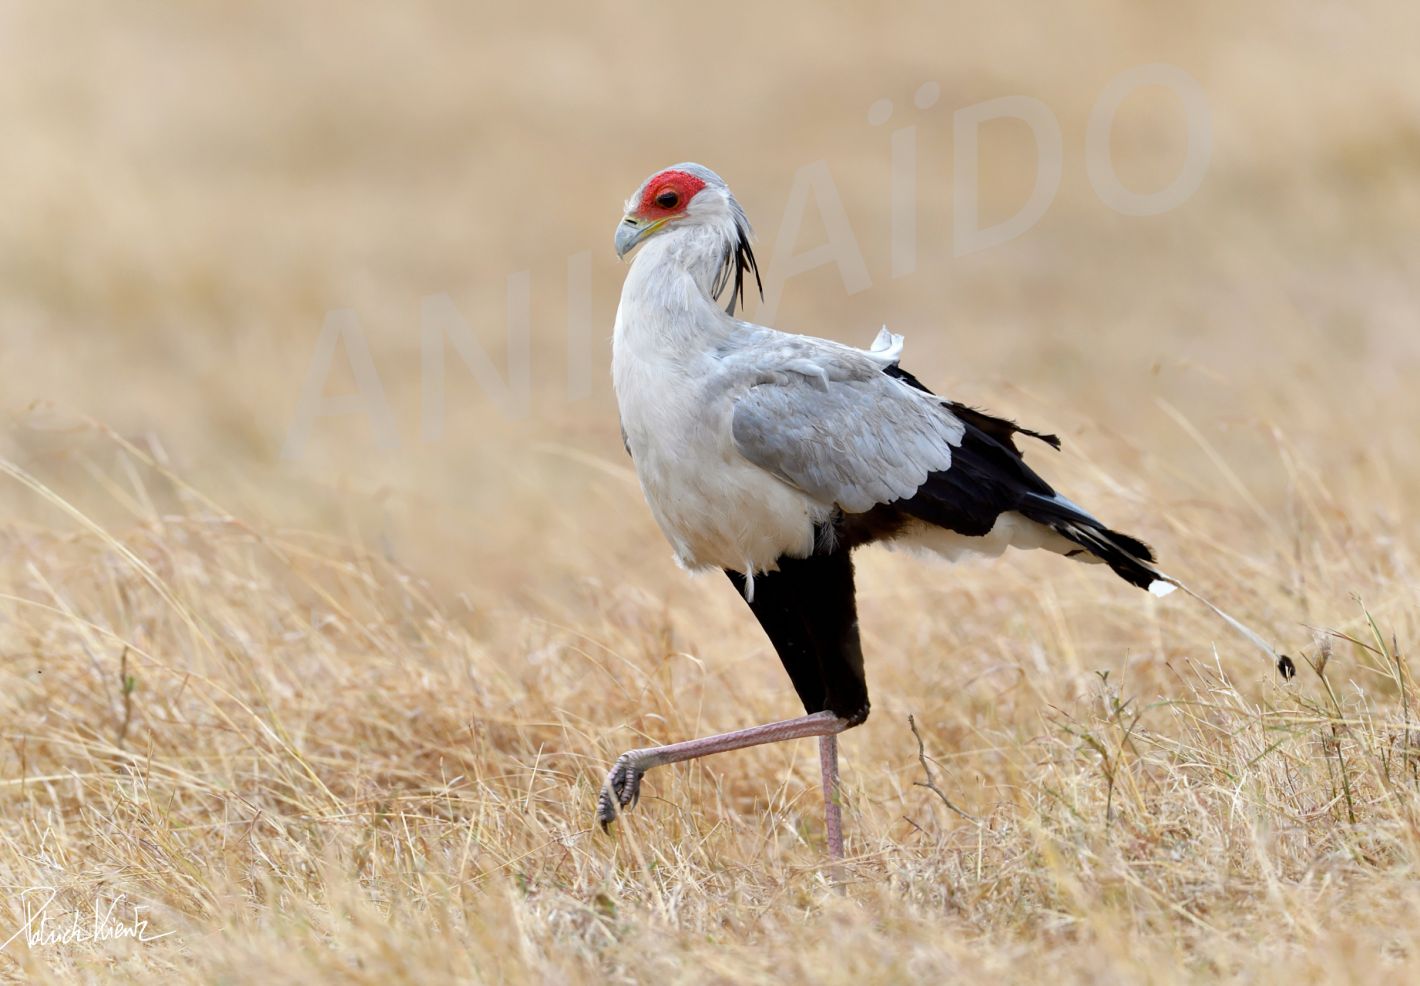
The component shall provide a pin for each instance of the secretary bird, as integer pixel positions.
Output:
(772, 456)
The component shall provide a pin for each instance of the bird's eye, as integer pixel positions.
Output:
(668, 199)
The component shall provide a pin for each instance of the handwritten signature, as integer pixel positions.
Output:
(107, 923)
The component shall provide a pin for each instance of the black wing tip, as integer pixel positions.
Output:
(1003, 430)
(1052, 440)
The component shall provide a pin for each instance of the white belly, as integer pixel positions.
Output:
(740, 518)
(717, 509)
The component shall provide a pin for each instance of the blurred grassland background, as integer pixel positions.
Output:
(343, 716)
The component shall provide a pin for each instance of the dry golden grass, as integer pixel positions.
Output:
(343, 718)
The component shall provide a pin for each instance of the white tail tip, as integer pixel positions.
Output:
(1160, 588)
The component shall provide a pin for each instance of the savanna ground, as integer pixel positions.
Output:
(342, 715)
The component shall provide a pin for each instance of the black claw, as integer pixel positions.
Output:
(606, 805)
(622, 788)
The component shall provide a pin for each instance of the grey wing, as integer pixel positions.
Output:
(851, 442)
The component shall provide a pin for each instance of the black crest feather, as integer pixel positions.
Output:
(739, 257)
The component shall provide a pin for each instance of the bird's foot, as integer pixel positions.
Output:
(621, 790)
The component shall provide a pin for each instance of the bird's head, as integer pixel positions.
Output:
(691, 196)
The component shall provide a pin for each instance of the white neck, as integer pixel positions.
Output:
(665, 301)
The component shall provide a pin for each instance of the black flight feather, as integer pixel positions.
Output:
(988, 477)
(998, 428)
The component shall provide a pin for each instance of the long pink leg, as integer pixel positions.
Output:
(832, 809)
(623, 784)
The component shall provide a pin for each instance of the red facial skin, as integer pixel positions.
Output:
(684, 185)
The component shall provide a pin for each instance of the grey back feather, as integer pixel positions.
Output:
(833, 425)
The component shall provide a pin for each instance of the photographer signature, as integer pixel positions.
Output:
(111, 920)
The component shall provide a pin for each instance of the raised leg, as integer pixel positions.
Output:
(623, 784)
(807, 609)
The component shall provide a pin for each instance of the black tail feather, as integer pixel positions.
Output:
(988, 476)
(1129, 558)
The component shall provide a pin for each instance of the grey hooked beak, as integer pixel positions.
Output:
(631, 231)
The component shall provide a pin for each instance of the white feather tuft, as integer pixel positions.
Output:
(887, 345)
